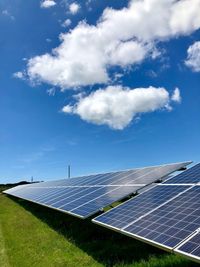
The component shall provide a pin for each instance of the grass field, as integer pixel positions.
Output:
(31, 235)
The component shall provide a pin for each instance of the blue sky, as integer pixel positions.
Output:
(113, 95)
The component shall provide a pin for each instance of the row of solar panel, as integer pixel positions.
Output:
(131, 177)
(81, 202)
(84, 196)
(164, 215)
(162, 218)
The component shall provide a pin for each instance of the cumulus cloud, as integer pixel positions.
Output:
(74, 8)
(116, 106)
(120, 37)
(47, 3)
(193, 57)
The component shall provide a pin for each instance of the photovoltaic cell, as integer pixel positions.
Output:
(83, 196)
(138, 206)
(191, 247)
(171, 223)
(190, 176)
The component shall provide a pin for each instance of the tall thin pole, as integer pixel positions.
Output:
(69, 171)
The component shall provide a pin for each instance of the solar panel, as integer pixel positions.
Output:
(128, 212)
(83, 196)
(190, 247)
(190, 176)
(171, 223)
(128, 177)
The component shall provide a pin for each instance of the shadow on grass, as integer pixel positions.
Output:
(105, 246)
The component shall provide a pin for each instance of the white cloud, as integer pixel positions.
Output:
(47, 3)
(193, 58)
(127, 53)
(116, 106)
(74, 8)
(121, 37)
(176, 97)
(66, 23)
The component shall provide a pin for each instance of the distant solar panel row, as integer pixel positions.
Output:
(83, 196)
(130, 177)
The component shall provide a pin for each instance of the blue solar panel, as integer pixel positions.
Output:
(140, 176)
(190, 176)
(191, 247)
(104, 200)
(171, 223)
(85, 195)
(138, 206)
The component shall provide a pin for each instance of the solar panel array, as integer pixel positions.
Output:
(84, 196)
(165, 215)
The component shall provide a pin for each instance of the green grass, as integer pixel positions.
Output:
(3, 256)
(31, 235)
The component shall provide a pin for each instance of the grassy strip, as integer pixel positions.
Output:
(3, 256)
(38, 236)
(31, 242)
